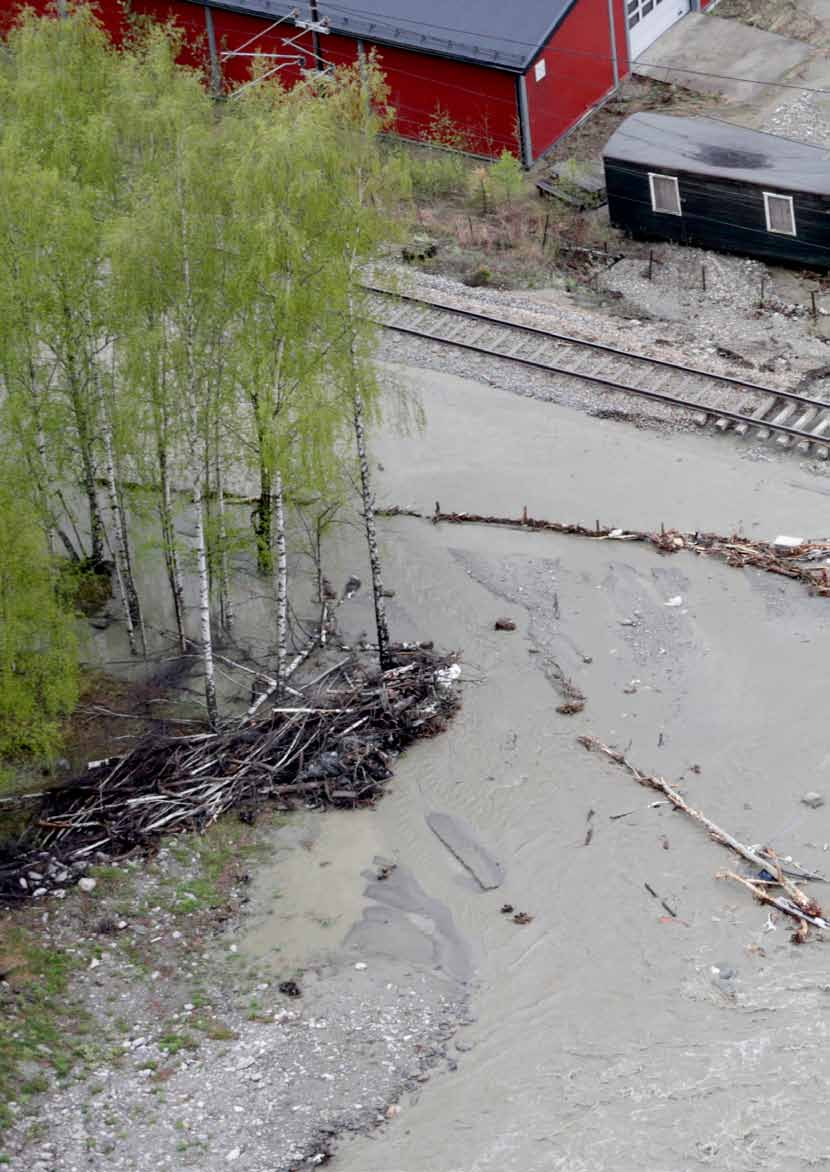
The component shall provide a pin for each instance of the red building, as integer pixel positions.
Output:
(505, 76)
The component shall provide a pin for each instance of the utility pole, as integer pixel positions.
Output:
(215, 67)
(315, 34)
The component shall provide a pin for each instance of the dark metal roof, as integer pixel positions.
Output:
(491, 32)
(708, 146)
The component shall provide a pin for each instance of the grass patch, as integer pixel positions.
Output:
(174, 1043)
(109, 879)
(217, 1031)
(218, 858)
(39, 1026)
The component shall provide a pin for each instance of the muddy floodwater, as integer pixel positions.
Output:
(605, 1034)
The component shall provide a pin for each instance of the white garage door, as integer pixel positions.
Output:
(647, 19)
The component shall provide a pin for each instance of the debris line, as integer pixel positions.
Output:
(806, 561)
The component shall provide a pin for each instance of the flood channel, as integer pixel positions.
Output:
(604, 1034)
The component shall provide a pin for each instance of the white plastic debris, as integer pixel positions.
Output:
(785, 542)
(361, 965)
(676, 601)
(445, 677)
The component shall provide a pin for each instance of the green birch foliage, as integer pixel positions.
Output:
(58, 151)
(38, 651)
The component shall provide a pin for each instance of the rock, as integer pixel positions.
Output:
(290, 988)
(813, 800)
(504, 624)
(87, 884)
(233, 1155)
(392, 1110)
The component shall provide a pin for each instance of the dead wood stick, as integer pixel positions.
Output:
(783, 905)
(768, 863)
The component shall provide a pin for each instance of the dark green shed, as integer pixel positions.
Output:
(707, 182)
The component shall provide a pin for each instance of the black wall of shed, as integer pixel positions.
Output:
(721, 214)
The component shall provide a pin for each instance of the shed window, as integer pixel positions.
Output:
(665, 196)
(779, 213)
(540, 69)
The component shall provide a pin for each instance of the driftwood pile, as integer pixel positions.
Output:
(769, 870)
(333, 745)
(807, 562)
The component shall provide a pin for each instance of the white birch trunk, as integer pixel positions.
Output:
(77, 388)
(384, 654)
(123, 576)
(200, 471)
(165, 511)
(171, 557)
(281, 583)
(226, 615)
(204, 605)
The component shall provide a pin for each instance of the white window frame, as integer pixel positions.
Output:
(652, 175)
(768, 195)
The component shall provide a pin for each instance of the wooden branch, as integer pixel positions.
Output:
(783, 905)
(766, 862)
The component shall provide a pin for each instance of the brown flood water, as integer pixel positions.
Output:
(607, 1035)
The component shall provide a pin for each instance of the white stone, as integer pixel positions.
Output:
(233, 1154)
(87, 884)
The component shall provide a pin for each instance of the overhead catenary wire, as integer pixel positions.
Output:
(398, 22)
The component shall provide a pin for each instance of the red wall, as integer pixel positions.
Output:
(478, 101)
(578, 71)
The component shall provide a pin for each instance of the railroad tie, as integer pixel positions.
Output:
(801, 423)
(781, 417)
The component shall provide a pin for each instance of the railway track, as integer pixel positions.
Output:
(728, 404)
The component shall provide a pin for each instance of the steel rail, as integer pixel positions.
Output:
(657, 396)
(487, 319)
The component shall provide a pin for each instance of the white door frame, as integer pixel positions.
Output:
(679, 8)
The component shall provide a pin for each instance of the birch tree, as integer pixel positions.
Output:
(38, 652)
(55, 87)
(282, 235)
(357, 111)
